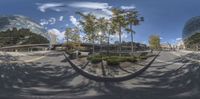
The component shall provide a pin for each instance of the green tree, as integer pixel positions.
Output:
(119, 23)
(132, 20)
(154, 42)
(102, 25)
(68, 33)
(72, 34)
(75, 36)
(89, 25)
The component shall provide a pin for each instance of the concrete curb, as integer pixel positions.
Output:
(109, 79)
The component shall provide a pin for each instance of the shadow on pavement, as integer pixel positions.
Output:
(44, 81)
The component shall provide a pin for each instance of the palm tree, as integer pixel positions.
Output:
(111, 31)
(132, 19)
(102, 25)
(118, 22)
(89, 26)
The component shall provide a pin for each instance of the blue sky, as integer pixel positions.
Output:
(163, 17)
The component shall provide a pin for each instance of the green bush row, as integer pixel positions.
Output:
(112, 60)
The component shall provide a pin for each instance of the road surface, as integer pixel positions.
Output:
(171, 76)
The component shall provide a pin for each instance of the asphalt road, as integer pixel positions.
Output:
(169, 77)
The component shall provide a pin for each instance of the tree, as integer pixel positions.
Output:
(132, 19)
(75, 36)
(119, 23)
(154, 42)
(89, 24)
(68, 32)
(102, 25)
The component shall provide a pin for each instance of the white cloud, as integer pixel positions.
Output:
(90, 5)
(43, 22)
(52, 20)
(59, 35)
(161, 38)
(96, 8)
(98, 14)
(74, 20)
(127, 7)
(61, 18)
(52, 6)
(178, 39)
(49, 21)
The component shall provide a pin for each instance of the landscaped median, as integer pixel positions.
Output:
(99, 71)
(111, 60)
(116, 60)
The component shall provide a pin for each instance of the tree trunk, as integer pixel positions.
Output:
(120, 40)
(67, 38)
(93, 47)
(108, 43)
(131, 40)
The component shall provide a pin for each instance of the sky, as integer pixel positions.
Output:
(165, 18)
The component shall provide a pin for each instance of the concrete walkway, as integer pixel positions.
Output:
(18, 57)
(169, 77)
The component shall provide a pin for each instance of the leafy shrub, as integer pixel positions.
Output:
(113, 62)
(142, 57)
(131, 59)
(96, 60)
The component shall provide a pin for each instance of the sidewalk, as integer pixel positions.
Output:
(18, 57)
(189, 55)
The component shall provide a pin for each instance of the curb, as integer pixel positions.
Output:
(109, 79)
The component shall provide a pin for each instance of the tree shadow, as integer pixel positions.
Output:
(24, 80)
(29, 79)
(180, 83)
(4, 57)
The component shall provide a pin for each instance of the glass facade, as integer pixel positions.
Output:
(191, 33)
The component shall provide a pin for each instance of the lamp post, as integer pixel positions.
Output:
(102, 66)
(100, 38)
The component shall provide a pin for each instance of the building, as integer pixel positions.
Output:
(180, 45)
(165, 46)
(191, 34)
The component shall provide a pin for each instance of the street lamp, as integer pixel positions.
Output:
(100, 34)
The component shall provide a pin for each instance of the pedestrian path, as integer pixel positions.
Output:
(18, 57)
(169, 77)
(190, 55)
